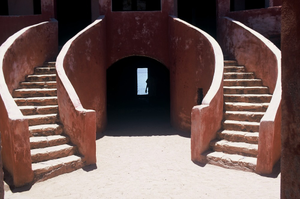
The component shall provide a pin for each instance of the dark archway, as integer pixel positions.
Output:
(142, 114)
(72, 17)
(202, 16)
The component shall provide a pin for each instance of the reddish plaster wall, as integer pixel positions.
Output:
(186, 53)
(290, 161)
(11, 24)
(255, 19)
(23, 51)
(191, 67)
(81, 70)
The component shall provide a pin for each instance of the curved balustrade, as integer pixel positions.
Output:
(75, 81)
(207, 57)
(262, 57)
(19, 54)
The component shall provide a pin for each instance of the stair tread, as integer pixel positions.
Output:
(234, 161)
(241, 122)
(41, 75)
(246, 80)
(231, 147)
(46, 138)
(35, 89)
(250, 95)
(40, 116)
(44, 126)
(52, 163)
(245, 87)
(38, 106)
(245, 112)
(50, 149)
(35, 98)
(247, 104)
(234, 73)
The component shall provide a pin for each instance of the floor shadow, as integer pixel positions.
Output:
(139, 118)
(90, 167)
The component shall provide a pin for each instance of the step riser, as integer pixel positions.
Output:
(249, 99)
(39, 93)
(246, 91)
(44, 70)
(36, 102)
(262, 108)
(45, 143)
(251, 138)
(46, 131)
(230, 63)
(53, 171)
(234, 150)
(53, 155)
(243, 117)
(40, 78)
(231, 164)
(238, 76)
(39, 110)
(51, 84)
(234, 69)
(242, 83)
(44, 120)
(241, 127)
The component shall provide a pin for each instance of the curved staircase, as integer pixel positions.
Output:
(52, 153)
(246, 101)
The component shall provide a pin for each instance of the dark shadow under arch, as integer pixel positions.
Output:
(129, 113)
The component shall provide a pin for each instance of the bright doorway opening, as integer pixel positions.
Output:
(142, 81)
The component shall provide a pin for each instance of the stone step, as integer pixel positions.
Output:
(250, 98)
(45, 70)
(243, 116)
(32, 110)
(53, 152)
(239, 136)
(41, 119)
(239, 75)
(34, 92)
(245, 90)
(239, 148)
(241, 126)
(232, 161)
(242, 82)
(230, 63)
(49, 84)
(228, 69)
(36, 101)
(47, 141)
(241, 106)
(50, 63)
(41, 78)
(51, 168)
(46, 130)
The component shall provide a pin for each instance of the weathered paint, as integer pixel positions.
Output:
(11, 24)
(187, 54)
(22, 52)
(81, 82)
(256, 19)
(290, 161)
(261, 56)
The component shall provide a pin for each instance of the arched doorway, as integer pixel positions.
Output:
(72, 17)
(128, 105)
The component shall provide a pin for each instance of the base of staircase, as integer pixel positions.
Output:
(52, 168)
(231, 161)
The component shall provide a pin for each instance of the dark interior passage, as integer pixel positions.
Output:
(200, 14)
(138, 114)
(72, 17)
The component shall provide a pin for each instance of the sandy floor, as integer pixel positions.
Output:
(152, 166)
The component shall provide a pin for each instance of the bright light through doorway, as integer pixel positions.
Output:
(142, 77)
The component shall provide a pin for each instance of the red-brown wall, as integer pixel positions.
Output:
(11, 24)
(290, 161)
